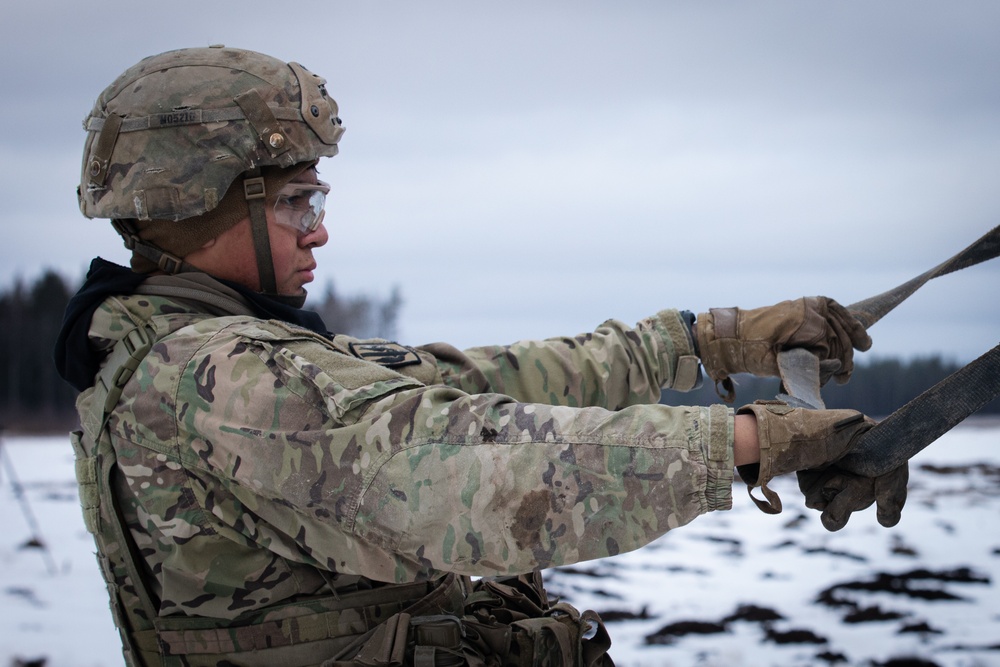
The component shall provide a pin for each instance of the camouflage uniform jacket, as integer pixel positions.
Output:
(262, 462)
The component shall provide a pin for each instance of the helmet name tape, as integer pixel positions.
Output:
(190, 117)
(179, 117)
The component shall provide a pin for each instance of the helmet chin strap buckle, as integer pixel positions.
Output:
(126, 231)
(253, 188)
(168, 263)
(165, 261)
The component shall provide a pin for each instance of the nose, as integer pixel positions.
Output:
(317, 237)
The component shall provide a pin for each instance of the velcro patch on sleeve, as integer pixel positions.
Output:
(390, 355)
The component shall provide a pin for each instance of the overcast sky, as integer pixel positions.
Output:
(529, 169)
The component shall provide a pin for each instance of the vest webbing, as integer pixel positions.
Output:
(150, 640)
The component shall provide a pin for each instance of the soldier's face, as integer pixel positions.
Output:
(291, 250)
(231, 255)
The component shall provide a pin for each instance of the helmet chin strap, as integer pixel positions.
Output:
(256, 197)
(253, 188)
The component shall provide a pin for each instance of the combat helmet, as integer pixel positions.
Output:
(170, 136)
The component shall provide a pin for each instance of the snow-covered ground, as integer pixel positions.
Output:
(733, 588)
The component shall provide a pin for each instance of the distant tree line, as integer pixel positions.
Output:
(33, 398)
(31, 391)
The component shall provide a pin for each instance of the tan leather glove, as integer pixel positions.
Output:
(734, 340)
(794, 439)
(837, 493)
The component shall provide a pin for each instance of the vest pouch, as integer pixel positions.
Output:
(512, 617)
(508, 599)
(507, 623)
(438, 641)
(562, 638)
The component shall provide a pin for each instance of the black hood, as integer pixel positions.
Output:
(78, 362)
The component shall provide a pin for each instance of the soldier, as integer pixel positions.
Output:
(262, 491)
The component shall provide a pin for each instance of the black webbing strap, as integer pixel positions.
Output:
(924, 419)
(800, 373)
(871, 310)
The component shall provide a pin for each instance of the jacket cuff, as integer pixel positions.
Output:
(718, 447)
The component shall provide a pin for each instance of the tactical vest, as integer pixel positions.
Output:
(451, 621)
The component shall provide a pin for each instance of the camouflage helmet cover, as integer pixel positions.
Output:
(171, 134)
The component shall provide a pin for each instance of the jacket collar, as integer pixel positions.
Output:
(78, 354)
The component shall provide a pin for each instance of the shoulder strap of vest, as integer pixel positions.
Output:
(102, 515)
(121, 365)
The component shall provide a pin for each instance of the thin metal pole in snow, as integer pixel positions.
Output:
(29, 516)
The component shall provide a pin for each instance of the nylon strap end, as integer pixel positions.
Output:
(725, 385)
(771, 504)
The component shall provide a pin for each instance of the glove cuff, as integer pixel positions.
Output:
(720, 351)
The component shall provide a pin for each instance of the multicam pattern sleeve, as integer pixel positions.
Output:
(613, 367)
(279, 441)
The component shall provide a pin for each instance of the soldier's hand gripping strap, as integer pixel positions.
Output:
(794, 439)
(735, 340)
(876, 470)
(838, 493)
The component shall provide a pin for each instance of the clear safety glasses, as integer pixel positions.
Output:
(300, 206)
